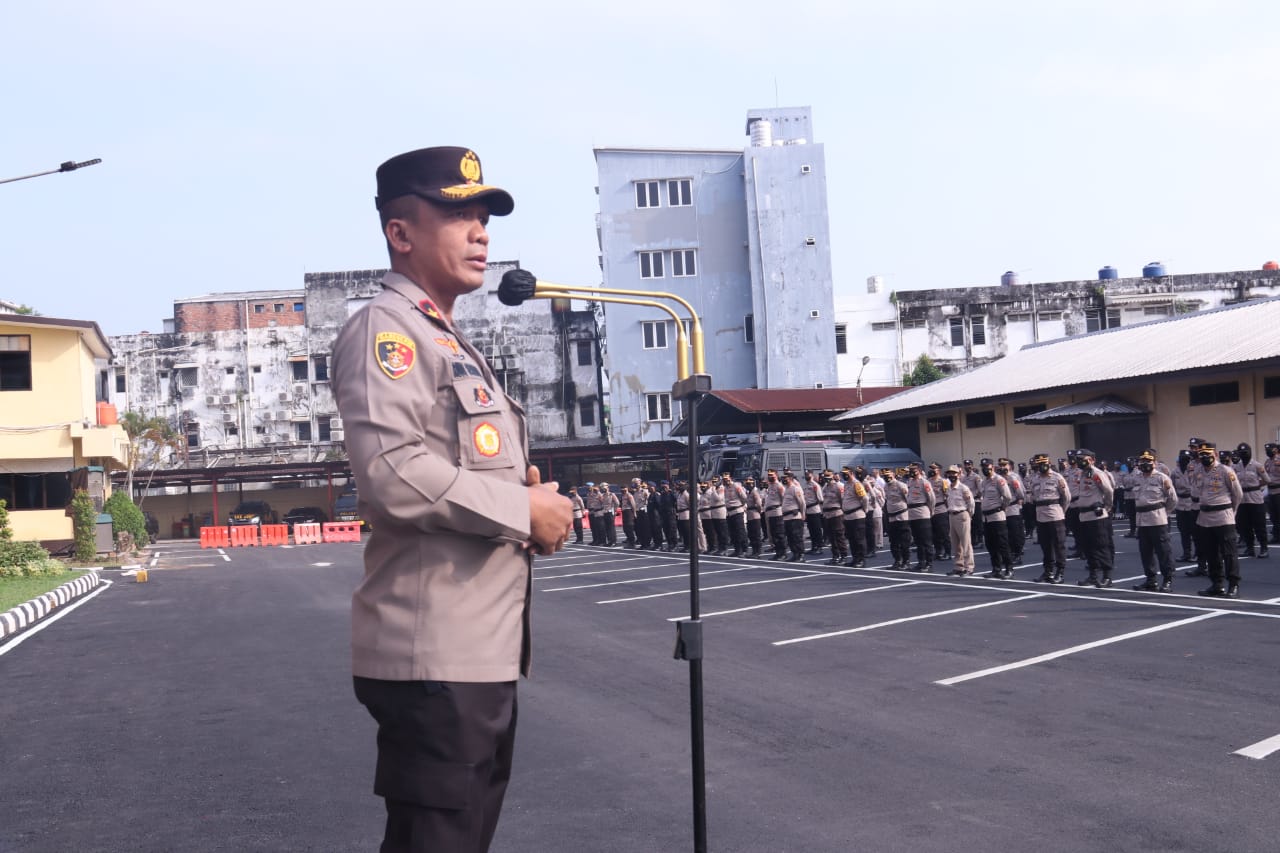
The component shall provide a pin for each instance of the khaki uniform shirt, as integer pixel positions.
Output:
(1096, 489)
(919, 498)
(1050, 494)
(1220, 494)
(440, 454)
(1253, 481)
(994, 495)
(1154, 497)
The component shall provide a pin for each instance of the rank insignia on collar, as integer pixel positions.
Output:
(395, 353)
(488, 440)
(483, 397)
(426, 306)
(451, 345)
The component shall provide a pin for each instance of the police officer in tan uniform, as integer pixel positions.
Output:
(440, 621)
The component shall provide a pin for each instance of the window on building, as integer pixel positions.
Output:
(1156, 310)
(15, 362)
(163, 374)
(302, 430)
(35, 491)
(259, 430)
(1049, 316)
(911, 324)
(1023, 411)
(1097, 319)
(299, 369)
(257, 368)
(232, 430)
(320, 364)
(647, 194)
(655, 334)
(1271, 386)
(259, 309)
(231, 371)
(587, 412)
(884, 326)
(188, 376)
(842, 338)
(585, 355)
(942, 423)
(978, 327)
(193, 435)
(1017, 318)
(650, 264)
(1214, 393)
(684, 263)
(324, 428)
(680, 192)
(749, 328)
(279, 307)
(957, 331)
(658, 406)
(299, 307)
(978, 420)
(120, 383)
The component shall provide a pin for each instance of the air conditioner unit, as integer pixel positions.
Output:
(227, 417)
(284, 396)
(335, 423)
(337, 435)
(299, 390)
(490, 352)
(508, 349)
(226, 399)
(211, 401)
(514, 362)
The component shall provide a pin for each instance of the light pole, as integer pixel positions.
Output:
(69, 166)
(515, 288)
(862, 430)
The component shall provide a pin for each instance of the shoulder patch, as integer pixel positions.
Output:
(395, 352)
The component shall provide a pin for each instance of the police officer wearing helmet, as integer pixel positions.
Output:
(440, 620)
(1251, 517)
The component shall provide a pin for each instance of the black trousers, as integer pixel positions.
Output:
(709, 531)
(1053, 544)
(922, 533)
(1017, 535)
(598, 536)
(755, 534)
(777, 534)
(1187, 530)
(1153, 547)
(737, 522)
(1273, 508)
(444, 760)
(855, 531)
(941, 532)
(835, 536)
(629, 527)
(1073, 526)
(975, 530)
(1251, 524)
(669, 530)
(996, 535)
(1095, 545)
(577, 529)
(1219, 547)
(813, 520)
(900, 540)
(644, 536)
(795, 535)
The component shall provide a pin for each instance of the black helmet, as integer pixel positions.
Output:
(1244, 451)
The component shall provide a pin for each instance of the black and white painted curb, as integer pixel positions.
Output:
(31, 612)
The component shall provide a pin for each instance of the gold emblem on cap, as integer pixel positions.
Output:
(470, 166)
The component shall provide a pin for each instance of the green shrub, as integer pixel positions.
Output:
(21, 553)
(83, 522)
(6, 532)
(126, 517)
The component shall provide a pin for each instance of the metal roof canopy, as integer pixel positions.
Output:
(1106, 407)
(760, 410)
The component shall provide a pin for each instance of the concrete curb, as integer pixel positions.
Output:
(27, 614)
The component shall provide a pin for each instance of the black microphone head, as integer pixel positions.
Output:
(516, 286)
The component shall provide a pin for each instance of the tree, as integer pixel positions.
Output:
(84, 521)
(924, 372)
(149, 437)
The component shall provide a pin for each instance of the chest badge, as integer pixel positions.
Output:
(395, 353)
(488, 440)
(483, 397)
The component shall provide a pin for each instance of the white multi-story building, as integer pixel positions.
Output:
(742, 235)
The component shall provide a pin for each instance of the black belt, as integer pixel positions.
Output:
(1045, 503)
(991, 511)
(1251, 488)
(1184, 494)
(916, 506)
(892, 514)
(959, 512)
(1149, 507)
(815, 503)
(1215, 508)
(734, 512)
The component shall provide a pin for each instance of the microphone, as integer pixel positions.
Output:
(516, 286)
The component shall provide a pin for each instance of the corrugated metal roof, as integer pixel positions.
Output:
(762, 400)
(1232, 335)
(1107, 406)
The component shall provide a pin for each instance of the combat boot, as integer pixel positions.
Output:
(1233, 591)
(1214, 591)
(1167, 584)
(1092, 580)
(1106, 581)
(1149, 586)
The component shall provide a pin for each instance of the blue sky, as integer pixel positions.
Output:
(239, 139)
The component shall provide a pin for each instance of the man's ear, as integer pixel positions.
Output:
(397, 236)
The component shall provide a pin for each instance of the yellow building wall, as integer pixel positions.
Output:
(63, 379)
(40, 524)
(1254, 418)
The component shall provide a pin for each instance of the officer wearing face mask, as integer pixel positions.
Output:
(1272, 467)
(1049, 492)
(1014, 512)
(1251, 516)
(1220, 494)
(995, 497)
(1186, 511)
(1154, 497)
(1096, 498)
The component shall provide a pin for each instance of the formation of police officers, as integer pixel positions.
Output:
(1219, 501)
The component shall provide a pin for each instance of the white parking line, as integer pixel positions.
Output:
(1080, 648)
(706, 589)
(36, 629)
(642, 580)
(845, 631)
(797, 600)
(641, 568)
(1261, 749)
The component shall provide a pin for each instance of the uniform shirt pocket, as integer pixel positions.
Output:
(484, 426)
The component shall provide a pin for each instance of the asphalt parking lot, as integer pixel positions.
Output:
(867, 710)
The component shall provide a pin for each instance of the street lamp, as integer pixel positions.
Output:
(862, 430)
(515, 288)
(69, 166)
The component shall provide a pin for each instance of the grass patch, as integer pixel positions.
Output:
(14, 591)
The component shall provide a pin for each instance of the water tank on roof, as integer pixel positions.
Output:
(1155, 269)
(761, 133)
(1271, 265)
(1009, 279)
(874, 283)
(1108, 273)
